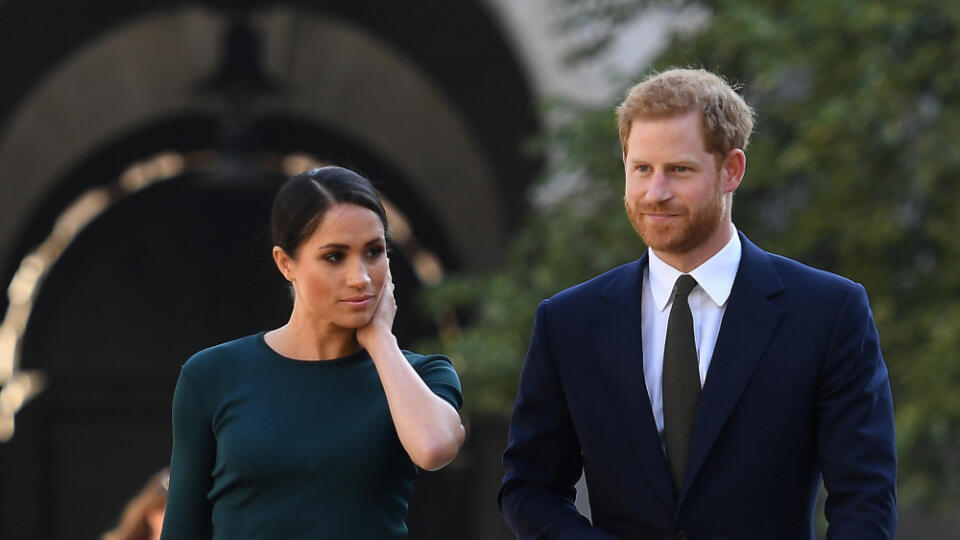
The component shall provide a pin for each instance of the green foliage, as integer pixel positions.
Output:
(852, 167)
(581, 234)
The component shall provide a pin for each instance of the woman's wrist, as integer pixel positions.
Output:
(380, 342)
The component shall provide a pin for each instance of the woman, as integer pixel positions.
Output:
(315, 429)
(143, 516)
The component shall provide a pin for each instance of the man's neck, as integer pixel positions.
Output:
(687, 261)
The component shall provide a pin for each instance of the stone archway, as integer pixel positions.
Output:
(433, 106)
(332, 73)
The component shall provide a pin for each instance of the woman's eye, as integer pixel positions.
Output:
(375, 252)
(333, 257)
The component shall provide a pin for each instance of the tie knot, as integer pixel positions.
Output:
(685, 284)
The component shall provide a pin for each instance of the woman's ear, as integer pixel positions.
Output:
(285, 263)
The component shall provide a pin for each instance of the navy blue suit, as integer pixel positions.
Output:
(797, 387)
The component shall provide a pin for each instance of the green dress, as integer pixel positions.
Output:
(269, 447)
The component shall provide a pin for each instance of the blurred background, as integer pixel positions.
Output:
(141, 143)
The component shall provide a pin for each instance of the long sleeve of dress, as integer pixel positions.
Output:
(188, 513)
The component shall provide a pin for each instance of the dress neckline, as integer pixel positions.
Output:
(355, 357)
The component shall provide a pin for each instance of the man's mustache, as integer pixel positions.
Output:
(656, 208)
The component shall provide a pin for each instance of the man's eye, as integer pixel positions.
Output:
(681, 169)
(643, 168)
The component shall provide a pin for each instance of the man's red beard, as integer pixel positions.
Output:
(687, 231)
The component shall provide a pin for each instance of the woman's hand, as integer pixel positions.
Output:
(429, 428)
(381, 323)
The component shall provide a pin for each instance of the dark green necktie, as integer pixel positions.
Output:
(681, 380)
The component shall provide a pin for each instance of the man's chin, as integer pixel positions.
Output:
(664, 246)
(672, 242)
(675, 238)
(663, 239)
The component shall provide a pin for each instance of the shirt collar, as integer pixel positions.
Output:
(715, 276)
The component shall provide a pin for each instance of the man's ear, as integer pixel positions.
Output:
(284, 263)
(732, 170)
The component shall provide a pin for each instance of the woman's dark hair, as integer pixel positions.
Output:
(303, 200)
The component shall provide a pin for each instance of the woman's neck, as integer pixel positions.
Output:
(302, 339)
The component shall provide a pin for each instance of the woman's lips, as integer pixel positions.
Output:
(358, 301)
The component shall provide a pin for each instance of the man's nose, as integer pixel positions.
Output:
(659, 189)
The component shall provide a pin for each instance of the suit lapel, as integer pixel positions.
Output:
(748, 324)
(620, 354)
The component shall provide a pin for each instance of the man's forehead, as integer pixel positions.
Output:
(667, 129)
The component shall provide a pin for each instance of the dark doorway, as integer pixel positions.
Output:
(165, 272)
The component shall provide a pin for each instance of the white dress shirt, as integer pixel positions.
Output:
(708, 301)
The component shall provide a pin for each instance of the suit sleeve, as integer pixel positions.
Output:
(856, 443)
(188, 512)
(542, 458)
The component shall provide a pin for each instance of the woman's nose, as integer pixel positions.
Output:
(358, 275)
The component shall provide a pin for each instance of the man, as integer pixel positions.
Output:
(705, 388)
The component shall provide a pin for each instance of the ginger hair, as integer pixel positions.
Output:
(726, 119)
